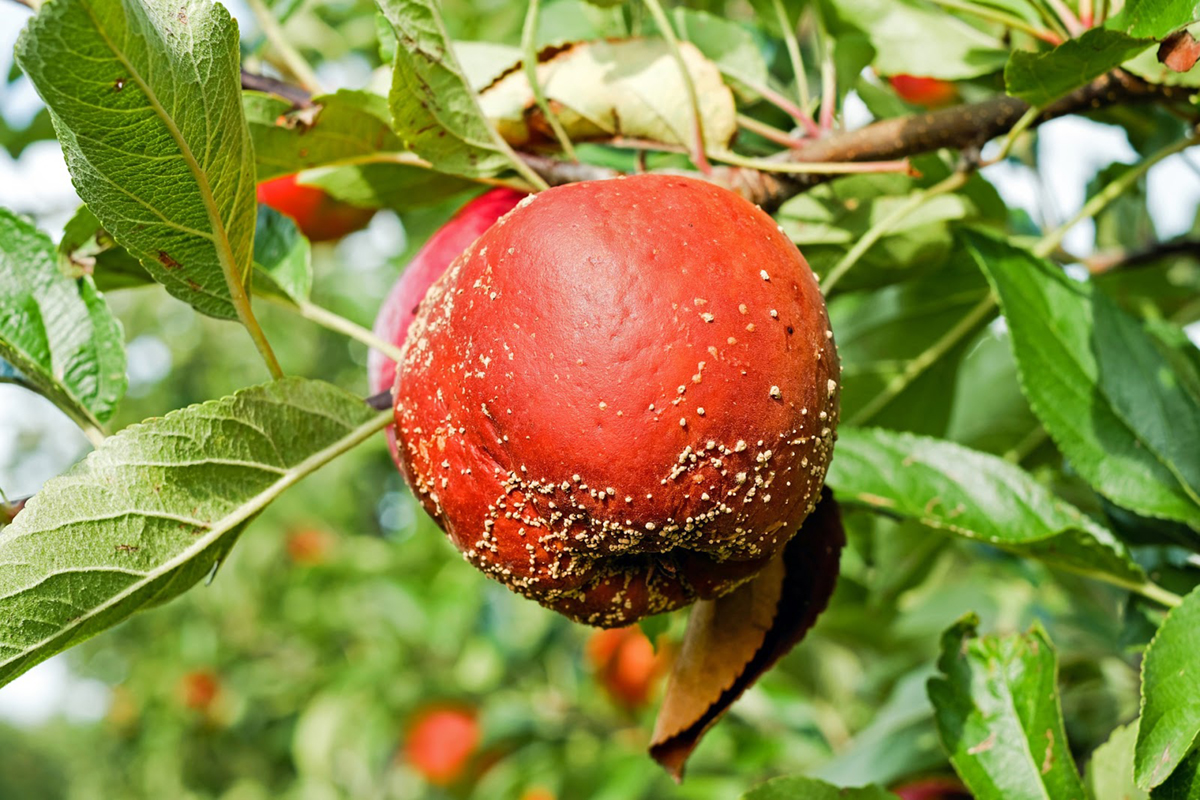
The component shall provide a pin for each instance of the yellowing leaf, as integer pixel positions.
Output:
(631, 88)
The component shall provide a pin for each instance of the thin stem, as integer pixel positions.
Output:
(530, 59)
(1030, 442)
(793, 49)
(1051, 241)
(1001, 18)
(668, 33)
(295, 63)
(881, 228)
(1050, 18)
(963, 328)
(336, 323)
(1073, 24)
(828, 82)
(773, 97)
(1086, 15)
(1006, 146)
(769, 132)
(810, 167)
(1150, 590)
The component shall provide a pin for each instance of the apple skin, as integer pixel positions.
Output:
(922, 91)
(320, 217)
(626, 665)
(403, 301)
(622, 397)
(441, 743)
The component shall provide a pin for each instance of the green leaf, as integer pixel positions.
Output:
(1170, 695)
(282, 256)
(157, 507)
(654, 627)
(796, 786)
(145, 96)
(1109, 773)
(880, 333)
(346, 127)
(1153, 18)
(87, 249)
(949, 48)
(55, 331)
(1184, 783)
(975, 495)
(1105, 393)
(728, 45)
(1038, 78)
(998, 714)
(434, 111)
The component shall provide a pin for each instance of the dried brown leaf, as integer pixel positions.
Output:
(731, 641)
(1179, 51)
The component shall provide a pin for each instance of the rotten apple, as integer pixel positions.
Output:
(622, 397)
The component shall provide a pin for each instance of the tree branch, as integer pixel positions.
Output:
(1113, 260)
(960, 127)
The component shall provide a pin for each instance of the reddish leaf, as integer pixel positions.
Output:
(731, 641)
(1179, 51)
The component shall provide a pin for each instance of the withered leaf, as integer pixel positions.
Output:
(1179, 51)
(731, 641)
(631, 88)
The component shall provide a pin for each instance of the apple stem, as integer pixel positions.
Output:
(530, 59)
(668, 33)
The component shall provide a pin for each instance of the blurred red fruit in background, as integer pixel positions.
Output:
(930, 92)
(932, 789)
(308, 547)
(318, 216)
(441, 742)
(626, 665)
(199, 688)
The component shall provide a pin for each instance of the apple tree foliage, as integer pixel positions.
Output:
(1015, 412)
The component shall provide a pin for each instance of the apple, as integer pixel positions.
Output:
(622, 397)
(199, 689)
(934, 788)
(922, 91)
(308, 546)
(626, 665)
(319, 216)
(441, 742)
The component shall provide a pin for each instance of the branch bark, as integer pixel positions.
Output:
(1104, 262)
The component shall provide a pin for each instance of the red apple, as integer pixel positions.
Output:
(400, 307)
(199, 689)
(441, 742)
(308, 546)
(626, 665)
(921, 91)
(318, 216)
(622, 397)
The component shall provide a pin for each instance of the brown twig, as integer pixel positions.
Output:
(1111, 261)
(299, 97)
(959, 127)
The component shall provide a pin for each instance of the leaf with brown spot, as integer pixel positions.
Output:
(998, 714)
(1179, 51)
(731, 641)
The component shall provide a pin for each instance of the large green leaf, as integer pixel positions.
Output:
(57, 331)
(1038, 78)
(998, 714)
(1153, 18)
(910, 36)
(434, 111)
(157, 507)
(880, 333)
(146, 99)
(728, 45)
(1170, 695)
(1184, 783)
(1105, 393)
(973, 494)
(793, 787)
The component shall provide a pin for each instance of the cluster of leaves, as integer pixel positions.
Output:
(1069, 437)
